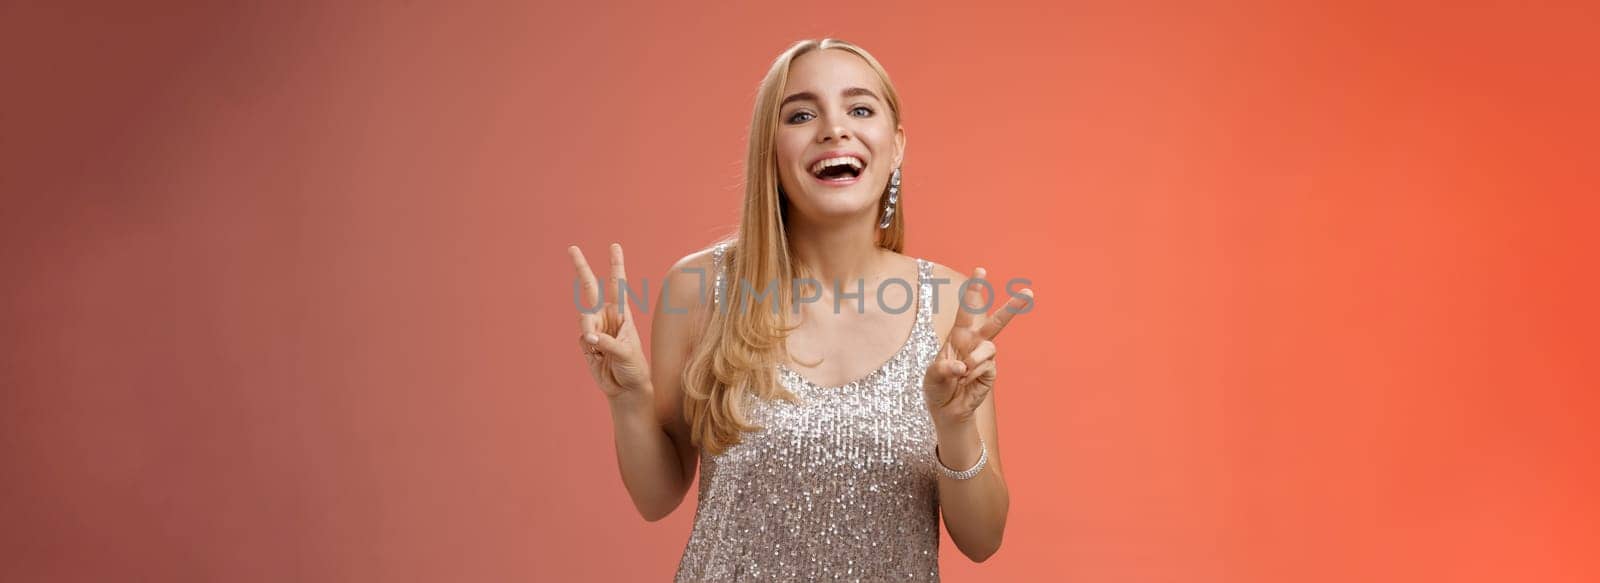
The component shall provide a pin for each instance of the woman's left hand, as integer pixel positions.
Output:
(963, 374)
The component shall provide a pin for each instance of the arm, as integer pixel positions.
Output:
(959, 388)
(654, 449)
(974, 510)
(654, 455)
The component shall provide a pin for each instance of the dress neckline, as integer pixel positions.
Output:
(918, 322)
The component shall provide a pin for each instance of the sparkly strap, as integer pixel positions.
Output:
(716, 263)
(924, 291)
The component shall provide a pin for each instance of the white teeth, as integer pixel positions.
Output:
(852, 161)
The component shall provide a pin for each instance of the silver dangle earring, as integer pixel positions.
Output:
(894, 198)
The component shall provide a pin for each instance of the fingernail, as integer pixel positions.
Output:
(961, 368)
(591, 338)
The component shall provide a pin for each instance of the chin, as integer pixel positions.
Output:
(832, 211)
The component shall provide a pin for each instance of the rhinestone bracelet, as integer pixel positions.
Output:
(969, 473)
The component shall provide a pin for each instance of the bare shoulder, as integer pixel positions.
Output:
(947, 291)
(685, 290)
(678, 321)
(699, 258)
(942, 271)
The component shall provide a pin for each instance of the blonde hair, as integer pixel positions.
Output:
(736, 355)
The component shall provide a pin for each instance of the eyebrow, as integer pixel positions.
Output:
(849, 92)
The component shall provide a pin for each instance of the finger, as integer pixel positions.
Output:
(984, 370)
(943, 376)
(947, 350)
(979, 354)
(946, 370)
(954, 369)
(587, 347)
(971, 301)
(589, 287)
(962, 342)
(588, 322)
(1003, 316)
(588, 292)
(606, 344)
(619, 278)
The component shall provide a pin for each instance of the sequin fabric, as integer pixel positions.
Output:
(838, 487)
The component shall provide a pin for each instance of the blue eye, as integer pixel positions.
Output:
(868, 110)
(795, 118)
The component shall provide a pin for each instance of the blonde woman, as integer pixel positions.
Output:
(834, 395)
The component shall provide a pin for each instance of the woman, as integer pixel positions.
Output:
(830, 438)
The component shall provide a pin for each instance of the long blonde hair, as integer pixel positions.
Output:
(736, 354)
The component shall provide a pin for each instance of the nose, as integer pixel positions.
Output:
(833, 131)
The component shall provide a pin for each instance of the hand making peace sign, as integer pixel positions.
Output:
(963, 374)
(609, 341)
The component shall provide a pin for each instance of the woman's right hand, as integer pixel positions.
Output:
(607, 337)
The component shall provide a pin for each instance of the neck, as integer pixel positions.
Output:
(844, 251)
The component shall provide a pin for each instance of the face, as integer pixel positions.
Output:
(837, 142)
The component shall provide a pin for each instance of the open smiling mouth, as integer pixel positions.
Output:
(838, 170)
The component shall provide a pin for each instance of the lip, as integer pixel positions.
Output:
(845, 182)
(836, 154)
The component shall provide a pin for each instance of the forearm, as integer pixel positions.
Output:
(647, 458)
(974, 510)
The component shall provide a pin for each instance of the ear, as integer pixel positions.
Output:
(899, 145)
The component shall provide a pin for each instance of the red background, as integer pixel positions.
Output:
(286, 297)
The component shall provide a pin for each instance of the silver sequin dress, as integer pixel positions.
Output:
(839, 487)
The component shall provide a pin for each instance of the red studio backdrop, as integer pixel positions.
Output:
(285, 294)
